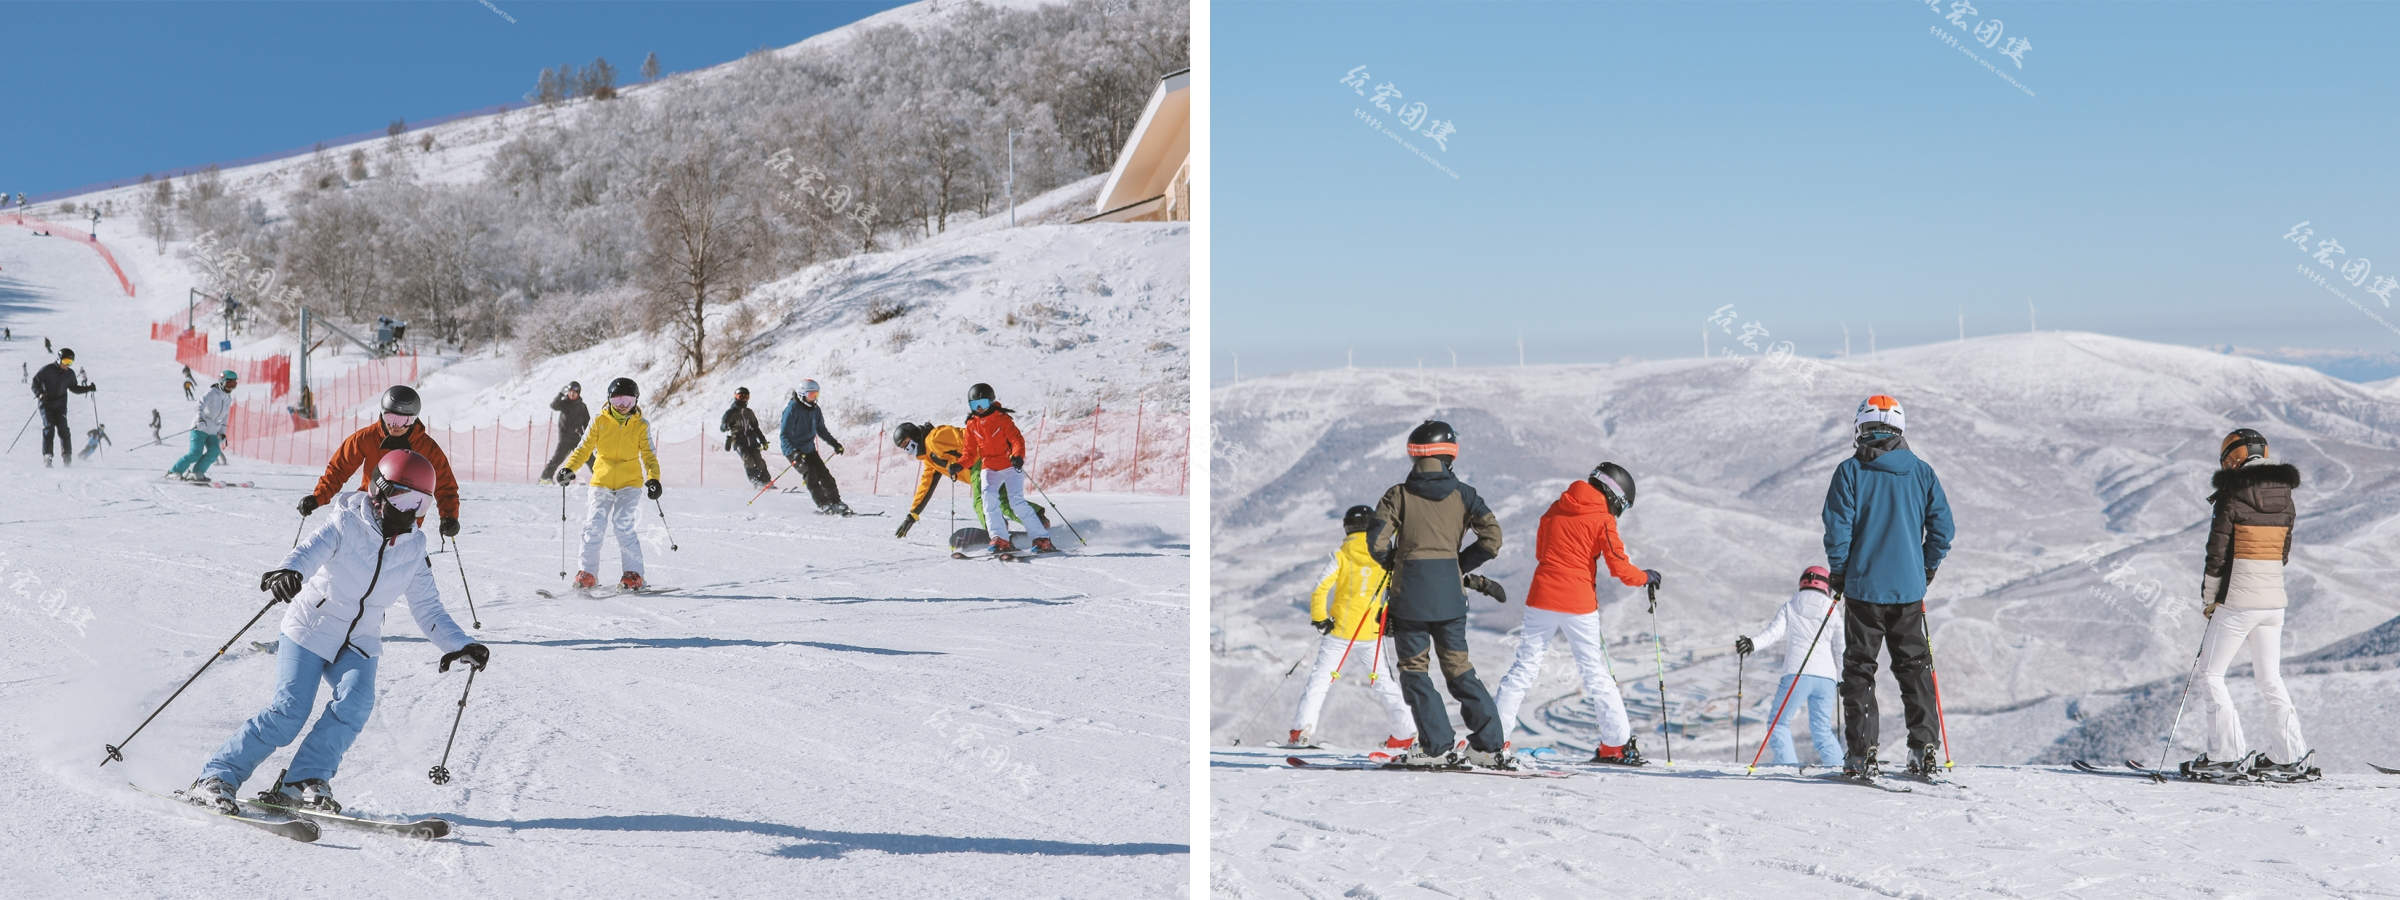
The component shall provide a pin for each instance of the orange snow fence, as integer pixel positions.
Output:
(81, 236)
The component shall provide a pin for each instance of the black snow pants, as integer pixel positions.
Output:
(1872, 627)
(818, 479)
(1415, 644)
(54, 421)
(566, 445)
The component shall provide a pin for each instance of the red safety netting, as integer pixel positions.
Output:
(192, 348)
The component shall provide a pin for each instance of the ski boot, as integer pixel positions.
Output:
(1499, 759)
(214, 793)
(586, 580)
(1043, 545)
(1421, 758)
(1300, 739)
(46, 463)
(2268, 770)
(1863, 768)
(631, 581)
(309, 793)
(1001, 545)
(1628, 755)
(1399, 743)
(1923, 765)
(2205, 769)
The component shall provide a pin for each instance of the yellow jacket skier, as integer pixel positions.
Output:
(624, 469)
(1345, 608)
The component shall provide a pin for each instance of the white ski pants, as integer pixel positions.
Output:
(2262, 630)
(1582, 632)
(1399, 722)
(616, 511)
(1013, 479)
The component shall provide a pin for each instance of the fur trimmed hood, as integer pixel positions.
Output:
(2227, 481)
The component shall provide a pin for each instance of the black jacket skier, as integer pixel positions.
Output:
(742, 435)
(51, 385)
(573, 418)
(1415, 536)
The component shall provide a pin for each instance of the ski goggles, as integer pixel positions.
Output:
(979, 404)
(397, 420)
(914, 449)
(406, 499)
(620, 404)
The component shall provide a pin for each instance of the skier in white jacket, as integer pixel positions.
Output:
(368, 554)
(1810, 678)
(208, 430)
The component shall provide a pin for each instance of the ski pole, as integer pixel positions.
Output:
(1787, 691)
(441, 770)
(2166, 743)
(298, 529)
(1739, 660)
(113, 749)
(1666, 721)
(662, 524)
(1383, 622)
(462, 583)
(1935, 673)
(562, 531)
(787, 470)
(1063, 517)
(37, 410)
(1354, 633)
(164, 439)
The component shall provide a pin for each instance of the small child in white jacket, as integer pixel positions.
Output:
(1810, 678)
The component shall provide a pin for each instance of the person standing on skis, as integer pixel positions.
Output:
(803, 424)
(2242, 596)
(51, 385)
(1808, 673)
(994, 444)
(941, 450)
(208, 430)
(340, 581)
(1345, 610)
(573, 418)
(1415, 536)
(625, 470)
(396, 429)
(1887, 527)
(1577, 533)
(743, 436)
(155, 424)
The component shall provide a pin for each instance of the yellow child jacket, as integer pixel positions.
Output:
(1351, 584)
(945, 452)
(614, 443)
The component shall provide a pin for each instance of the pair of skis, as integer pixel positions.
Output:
(2161, 776)
(304, 825)
(602, 593)
(1370, 765)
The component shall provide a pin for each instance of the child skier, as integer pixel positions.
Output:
(340, 582)
(396, 429)
(993, 443)
(1344, 610)
(1415, 536)
(2242, 596)
(208, 430)
(1796, 624)
(742, 435)
(803, 424)
(626, 469)
(941, 450)
(1577, 533)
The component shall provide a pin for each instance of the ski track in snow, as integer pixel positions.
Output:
(821, 710)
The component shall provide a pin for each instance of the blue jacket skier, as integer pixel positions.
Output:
(1887, 527)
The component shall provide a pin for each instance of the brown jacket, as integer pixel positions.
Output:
(2250, 536)
(1416, 532)
(360, 451)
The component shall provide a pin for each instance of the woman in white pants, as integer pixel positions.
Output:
(1345, 610)
(2241, 593)
(1578, 532)
(624, 472)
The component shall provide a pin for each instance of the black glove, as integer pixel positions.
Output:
(1324, 626)
(283, 583)
(653, 488)
(475, 654)
(309, 504)
(1837, 584)
(564, 476)
(1656, 580)
(449, 527)
(1928, 576)
(1743, 646)
(904, 524)
(1486, 587)
(837, 448)
(1016, 462)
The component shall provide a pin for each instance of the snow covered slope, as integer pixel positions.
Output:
(2077, 465)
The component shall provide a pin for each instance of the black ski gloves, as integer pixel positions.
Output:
(283, 583)
(904, 523)
(1743, 646)
(1486, 587)
(309, 504)
(1837, 584)
(1017, 463)
(653, 488)
(1324, 626)
(449, 527)
(1656, 580)
(475, 654)
(837, 447)
(1928, 576)
(564, 476)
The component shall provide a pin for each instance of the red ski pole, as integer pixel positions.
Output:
(1354, 633)
(1936, 674)
(1383, 619)
(1787, 690)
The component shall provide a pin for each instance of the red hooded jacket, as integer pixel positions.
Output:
(1576, 533)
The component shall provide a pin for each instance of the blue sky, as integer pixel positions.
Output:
(1624, 169)
(104, 90)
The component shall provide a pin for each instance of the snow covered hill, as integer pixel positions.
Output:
(2077, 465)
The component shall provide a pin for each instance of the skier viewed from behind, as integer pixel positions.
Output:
(624, 470)
(208, 430)
(187, 383)
(573, 418)
(994, 444)
(398, 428)
(2242, 596)
(340, 581)
(1578, 532)
(51, 385)
(803, 424)
(1346, 609)
(1794, 627)
(1887, 527)
(1415, 536)
(743, 436)
(941, 450)
(155, 425)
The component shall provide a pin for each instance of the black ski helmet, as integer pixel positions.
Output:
(741, 393)
(981, 391)
(1434, 438)
(575, 386)
(624, 387)
(1614, 482)
(908, 433)
(2247, 441)
(66, 354)
(400, 399)
(1355, 519)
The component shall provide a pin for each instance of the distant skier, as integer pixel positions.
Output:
(1415, 536)
(1577, 534)
(625, 468)
(154, 427)
(803, 424)
(208, 430)
(1812, 686)
(398, 428)
(340, 581)
(994, 444)
(941, 450)
(1344, 610)
(2242, 595)
(93, 439)
(743, 436)
(573, 418)
(1887, 527)
(187, 382)
(51, 386)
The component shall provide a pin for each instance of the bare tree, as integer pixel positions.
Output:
(394, 129)
(358, 165)
(158, 218)
(650, 66)
(547, 90)
(600, 80)
(703, 233)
